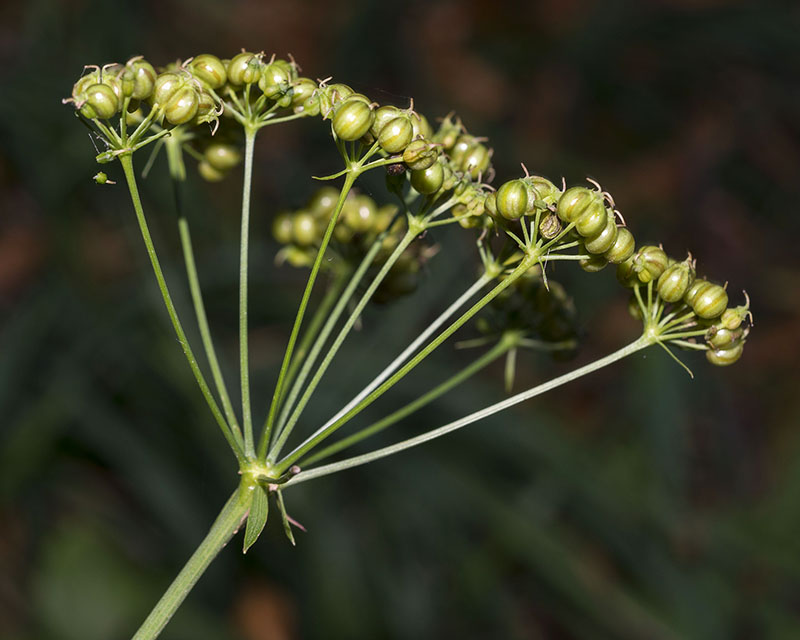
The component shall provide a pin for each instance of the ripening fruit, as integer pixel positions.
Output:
(383, 115)
(422, 128)
(694, 290)
(626, 273)
(182, 106)
(593, 264)
(725, 357)
(296, 256)
(275, 79)
(139, 79)
(323, 202)
(420, 154)
(100, 102)
(592, 221)
(359, 213)
(209, 70)
(244, 68)
(721, 338)
(396, 134)
(623, 247)
(577, 202)
(352, 120)
(649, 263)
(550, 226)
(206, 107)
(283, 228)
(512, 199)
(490, 204)
(221, 156)
(428, 181)
(710, 301)
(166, 86)
(302, 90)
(604, 240)
(332, 95)
(448, 133)
(475, 160)
(209, 173)
(675, 281)
(541, 193)
(304, 229)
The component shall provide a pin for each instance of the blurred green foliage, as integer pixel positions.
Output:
(632, 504)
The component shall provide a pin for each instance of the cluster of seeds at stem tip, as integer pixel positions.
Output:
(695, 310)
(360, 224)
(446, 169)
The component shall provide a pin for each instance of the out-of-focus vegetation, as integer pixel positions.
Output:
(632, 504)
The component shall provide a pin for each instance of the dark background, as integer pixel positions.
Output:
(636, 503)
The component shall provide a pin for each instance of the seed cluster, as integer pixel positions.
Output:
(446, 169)
(361, 222)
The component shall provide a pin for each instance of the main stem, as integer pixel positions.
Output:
(223, 529)
(247, 418)
(642, 343)
(127, 166)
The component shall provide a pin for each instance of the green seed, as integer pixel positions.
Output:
(623, 247)
(604, 240)
(209, 70)
(396, 135)
(428, 181)
(512, 199)
(725, 357)
(710, 302)
(352, 120)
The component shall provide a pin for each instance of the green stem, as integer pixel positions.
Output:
(340, 338)
(324, 432)
(411, 348)
(350, 178)
(317, 320)
(177, 170)
(356, 461)
(508, 341)
(205, 332)
(127, 166)
(223, 529)
(244, 368)
(330, 323)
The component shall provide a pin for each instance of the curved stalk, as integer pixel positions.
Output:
(127, 165)
(205, 332)
(642, 343)
(177, 170)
